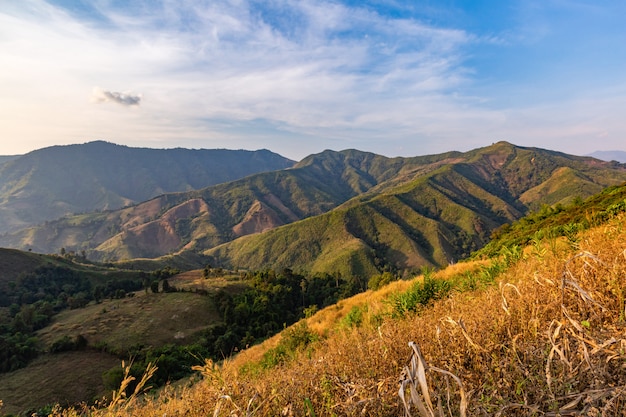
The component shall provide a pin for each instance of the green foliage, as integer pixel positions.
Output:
(164, 273)
(511, 254)
(354, 318)
(418, 296)
(559, 221)
(380, 280)
(16, 350)
(112, 379)
(294, 340)
(66, 344)
(310, 311)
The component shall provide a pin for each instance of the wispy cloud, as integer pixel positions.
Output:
(304, 65)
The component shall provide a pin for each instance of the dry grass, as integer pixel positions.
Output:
(52, 378)
(547, 340)
(151, 319)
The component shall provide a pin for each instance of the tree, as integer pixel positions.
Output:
(379, 281)
(98, 293)
(154, 287)
(145, 281)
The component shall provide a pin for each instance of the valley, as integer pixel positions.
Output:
(225, 272)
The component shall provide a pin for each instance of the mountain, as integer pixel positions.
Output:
(57, 181)
(350, 212)
(481, 307)
(537, 330)
(619, 156)
(7, 158)
(429, 219)
(205, 218)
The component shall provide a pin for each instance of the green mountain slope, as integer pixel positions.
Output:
(351, 212)
(49, 183)
(437, 218)
(558, 221)
(197, 220)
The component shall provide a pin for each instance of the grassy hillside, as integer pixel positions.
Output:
(53, 182)
(377, 214)
(111, 330)
(537, 331)
(197, 220)
(559, 221)
(52, 379)
(523, 328)
(432, 219)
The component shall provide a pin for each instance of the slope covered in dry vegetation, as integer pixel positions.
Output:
(534, 331)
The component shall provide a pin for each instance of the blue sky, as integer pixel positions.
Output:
(398, 78)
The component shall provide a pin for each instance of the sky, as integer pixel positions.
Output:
(393, 77)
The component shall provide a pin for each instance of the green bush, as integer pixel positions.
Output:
(418, 296)
(379, 281)
(294, 340)
(354, 318)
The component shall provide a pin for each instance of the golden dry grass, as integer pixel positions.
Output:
(548, 339)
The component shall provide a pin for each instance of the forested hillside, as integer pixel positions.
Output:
(53, 182)
(197, 220)
(430, 218)
(348, 212)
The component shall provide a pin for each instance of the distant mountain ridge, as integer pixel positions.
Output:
(351, 212)
(220, 213)
(7, 158)
(52, 182)
(619, 156)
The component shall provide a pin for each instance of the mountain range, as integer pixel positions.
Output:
(619, 156)
(49, 183)
(350, 212)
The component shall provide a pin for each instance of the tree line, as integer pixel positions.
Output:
(272, 301)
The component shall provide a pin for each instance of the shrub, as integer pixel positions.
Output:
(379, 281)
(294, 339)
(418, 296)
(354, 318)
